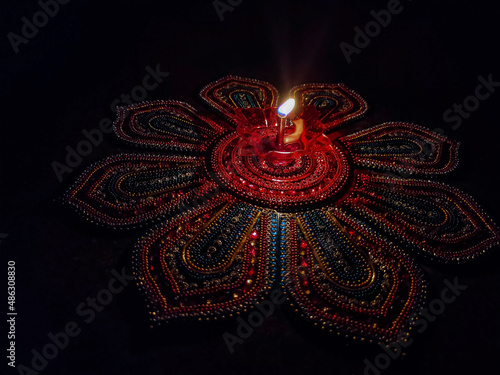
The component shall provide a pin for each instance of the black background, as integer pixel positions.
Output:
(91, 52)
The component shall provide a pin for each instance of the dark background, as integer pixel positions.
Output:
(91, 52)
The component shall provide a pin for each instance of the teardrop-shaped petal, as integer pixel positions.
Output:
(336, 103)
(403, 148)
(213, 261)
(432, 217)
(232, 92)
(347, 280)
(129, 189)
(165, 125)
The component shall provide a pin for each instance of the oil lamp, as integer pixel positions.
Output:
(280, 134)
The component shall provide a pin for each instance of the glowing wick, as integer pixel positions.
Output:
(283, 111)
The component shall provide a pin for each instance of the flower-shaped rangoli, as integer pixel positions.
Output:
(336, 228)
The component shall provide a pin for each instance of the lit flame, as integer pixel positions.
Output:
(286, 108)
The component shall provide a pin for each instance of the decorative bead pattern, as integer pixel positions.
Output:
(427, 216)
(403, 148)
(336, 103)
(304, 181)
(231, 92)
(187, 269)
(166, 125)
(345, 279)
(129, 189)
(332, 234)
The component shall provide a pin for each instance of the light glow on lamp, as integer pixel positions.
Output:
(283, 111)
(287, 107)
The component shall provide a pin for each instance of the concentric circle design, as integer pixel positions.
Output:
(306, 180)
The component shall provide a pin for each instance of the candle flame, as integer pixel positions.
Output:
(286, 108)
